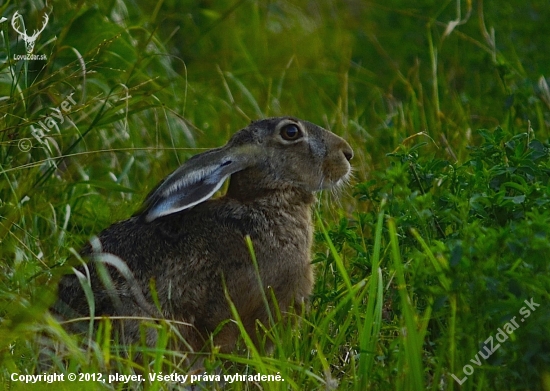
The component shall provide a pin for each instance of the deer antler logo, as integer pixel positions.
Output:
(29, 40)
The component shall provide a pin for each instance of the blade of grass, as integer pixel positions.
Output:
(337, 259)
(411, 338)
(351, 290)
(373, 318)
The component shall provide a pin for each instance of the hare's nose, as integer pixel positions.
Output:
(348, 152)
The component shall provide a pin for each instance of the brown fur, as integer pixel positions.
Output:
(190, 254)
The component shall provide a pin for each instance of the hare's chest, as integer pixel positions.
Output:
(285, 262)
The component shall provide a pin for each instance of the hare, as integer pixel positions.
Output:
(192, 248)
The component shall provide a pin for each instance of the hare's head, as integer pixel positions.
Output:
(270, 154)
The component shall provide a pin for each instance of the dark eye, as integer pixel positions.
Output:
(291, 132)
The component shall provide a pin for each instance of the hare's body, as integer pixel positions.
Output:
(194, 256)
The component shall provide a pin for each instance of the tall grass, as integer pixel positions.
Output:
(438, 243)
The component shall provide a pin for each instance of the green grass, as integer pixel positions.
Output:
(443, 235)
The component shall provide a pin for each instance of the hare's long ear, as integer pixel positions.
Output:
(194, 182)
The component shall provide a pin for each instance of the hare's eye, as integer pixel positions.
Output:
(291, 132)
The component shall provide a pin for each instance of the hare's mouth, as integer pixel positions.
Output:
(335, 182)
(344, 180)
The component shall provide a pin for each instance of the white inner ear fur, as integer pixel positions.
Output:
(192, 177)
(167, 207)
